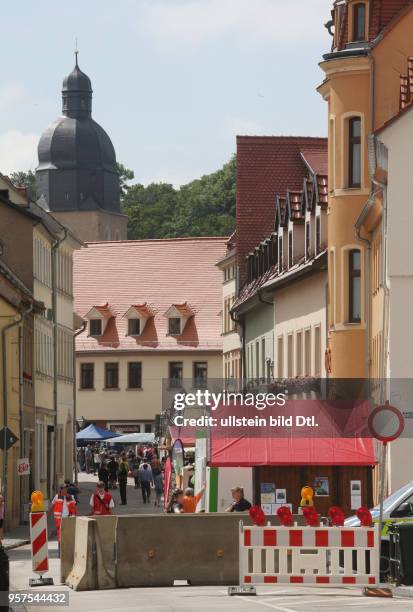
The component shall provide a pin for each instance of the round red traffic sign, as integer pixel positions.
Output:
(386, 423)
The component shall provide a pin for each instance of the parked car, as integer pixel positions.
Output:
(398, 507)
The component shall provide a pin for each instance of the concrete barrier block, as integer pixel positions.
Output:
(83, 575)
(67, 546)
(105, 533)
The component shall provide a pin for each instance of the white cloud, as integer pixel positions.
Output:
(18, 151)
(192, 21)
(9, 95)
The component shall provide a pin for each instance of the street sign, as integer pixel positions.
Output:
(10, 438)
(386, 423)
(23, 467)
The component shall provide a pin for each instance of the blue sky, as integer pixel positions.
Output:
(174, 80)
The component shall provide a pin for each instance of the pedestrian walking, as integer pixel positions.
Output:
(97, 460)
(146, 478)
(62, 505)
(103, 475)
(175, 505)
(158, 480)
(123, 478)
(113, 467)
(72, 490)
(101, 501)
(134, 468)
(88, 459)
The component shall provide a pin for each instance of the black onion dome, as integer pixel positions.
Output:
(73, 143)
(77, 81)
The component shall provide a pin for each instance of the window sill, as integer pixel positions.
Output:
(134, 389)
(111, 389)
(87, 389)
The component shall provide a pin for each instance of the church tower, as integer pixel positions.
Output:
(77, 178)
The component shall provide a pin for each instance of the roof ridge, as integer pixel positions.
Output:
(179, 239)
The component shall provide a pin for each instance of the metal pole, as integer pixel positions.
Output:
(382, 485)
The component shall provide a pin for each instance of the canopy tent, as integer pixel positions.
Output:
(249, 452)
(92, 433)
(136, 438)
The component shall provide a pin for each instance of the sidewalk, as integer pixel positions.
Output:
(87, 484)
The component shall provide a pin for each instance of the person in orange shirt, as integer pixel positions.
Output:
(190, 501)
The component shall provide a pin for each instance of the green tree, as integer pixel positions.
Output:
(203, 207)
(25, 179)
(125, 175)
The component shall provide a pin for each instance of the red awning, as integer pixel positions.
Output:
(248, 452)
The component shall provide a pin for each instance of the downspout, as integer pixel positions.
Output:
(21, 400)
(385, 286)
(55, 246)
(4, 331)
(79, 331)
(240, 322)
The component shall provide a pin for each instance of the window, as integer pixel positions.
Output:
(174, 326)
(354, 151)
(307, 353)
(87, 375)
(111, 375)
(95, 327)
(175, 373)
(359, 22)
(273, 251)
(148, 428)
(200, 374)
(280, 253)
(307, 240)
(263, 367)
(318, 234)
(257, 359)
(317, 351)
(354, 271)
(134, 327)
(280, 356)
(134, 375)
(299, 353)
(290, 356)
(290, 249)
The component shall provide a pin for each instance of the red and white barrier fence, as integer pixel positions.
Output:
(38, 538)
(309, 555)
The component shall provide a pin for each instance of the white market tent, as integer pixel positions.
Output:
(136, 438)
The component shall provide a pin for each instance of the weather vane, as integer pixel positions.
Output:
(76, 50)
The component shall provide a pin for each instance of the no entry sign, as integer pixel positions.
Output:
(386, 423)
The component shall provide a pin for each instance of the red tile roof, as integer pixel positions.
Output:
(383, 14)
(316, 160)
(266, 166)
(160, 272)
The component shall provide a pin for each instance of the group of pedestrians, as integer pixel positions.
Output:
(145, 468)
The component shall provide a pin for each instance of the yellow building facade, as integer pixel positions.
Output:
(362, 73)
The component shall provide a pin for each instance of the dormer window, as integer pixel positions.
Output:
(95, 327)
(134, 327)
(98, 318)
(178, 315)
(174, 327)
(137, 316)
(359, 22)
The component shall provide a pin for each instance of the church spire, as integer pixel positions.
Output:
(77, 93)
